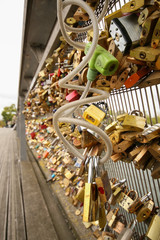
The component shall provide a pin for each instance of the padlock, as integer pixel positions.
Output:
(116, 189)
(134, 121)
(127, 233)
(145, 53)
(107, 235)
(155, 171)
(138, 203)
(111, 127)
(154, 149)
(81, 15)
(118, 184)
(153, 231)
(109, 17)
(122, 146)
(145, 211)
(145, 13)
(102, 216)
(88, 193)
(120, 224)
(135, 77)
(134, 5)
(113, 218)
(155, 42)
(129, 136)
(90, 210)
(126, 200)
(87, 139)
(71, 21)
(112, 47)
(126, 32)
(99, 182)
(122, 78)
(73, 96)
(149, 134)
(142, 159)
(93, 115)
(106, 182)
(147, 29)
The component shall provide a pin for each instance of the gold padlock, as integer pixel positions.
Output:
(134, 5)
(147, 29)
(153, 231)
(134, 121)
(145, 53)
(146, 12)
(145, 211)
(113, 218)
(156, 35)
(125, 201)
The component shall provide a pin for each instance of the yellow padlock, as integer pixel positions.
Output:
(93, 115)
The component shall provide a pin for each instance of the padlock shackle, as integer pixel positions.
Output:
(145, 197)
(90, 170)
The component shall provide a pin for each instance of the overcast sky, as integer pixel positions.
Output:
(11, 19)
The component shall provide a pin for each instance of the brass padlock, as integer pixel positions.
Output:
(147, 29)
(126, 200)
(153, 231)
(99, 182)
(154, 149)
(134, 121)
(149, 134)
(155, 171)
(156, 35)
(134, 5)
(116, 190)
(145, 53)
(127, 233)
(142, 159)
(113, 218)
(102, 216)
(120, 224)
(88, 194)
(145, 13)
(90, 209)
(138, 203)
(145, 211)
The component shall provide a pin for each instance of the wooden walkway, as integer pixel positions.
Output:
(24, 212)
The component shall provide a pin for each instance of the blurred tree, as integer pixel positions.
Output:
(2, 123)
(8, 113)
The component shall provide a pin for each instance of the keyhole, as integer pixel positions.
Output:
(142, 55)
(132, 5)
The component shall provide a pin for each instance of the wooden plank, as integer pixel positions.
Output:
(38, 221)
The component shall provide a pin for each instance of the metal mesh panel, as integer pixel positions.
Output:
(147, 101)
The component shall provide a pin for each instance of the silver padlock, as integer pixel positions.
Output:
(126, 32)
(127, 233)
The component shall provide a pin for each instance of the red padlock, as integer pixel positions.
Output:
(33, 135)
(73, 96)
(136, 77)
(59, 72)
(43, 126)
